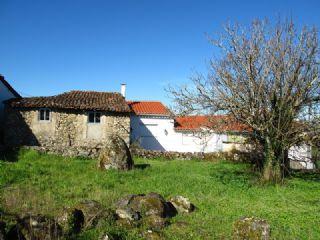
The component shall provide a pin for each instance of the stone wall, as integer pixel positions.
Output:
(234, 155)
(67, 133)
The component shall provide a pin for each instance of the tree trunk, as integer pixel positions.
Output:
(272, 164)
(286, 163)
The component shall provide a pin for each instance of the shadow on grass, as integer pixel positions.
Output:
(9, 155)
(309, 175)
(142, 166)
(242, 178)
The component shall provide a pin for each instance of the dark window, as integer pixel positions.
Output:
(94, 117)
(44, 114)
(91, 117)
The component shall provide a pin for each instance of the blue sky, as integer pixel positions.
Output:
(51, 46)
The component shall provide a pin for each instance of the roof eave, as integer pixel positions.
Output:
(150, 114)
(67, 108)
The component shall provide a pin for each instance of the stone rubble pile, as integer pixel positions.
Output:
(148, 212)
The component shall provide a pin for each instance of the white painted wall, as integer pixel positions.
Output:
(157, 133)
(5, 94)
(301, 155)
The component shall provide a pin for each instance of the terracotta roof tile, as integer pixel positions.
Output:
(218, 122)
(148, 108)
(80, 100)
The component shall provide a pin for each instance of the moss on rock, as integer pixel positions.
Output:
(116, 155)
(250, 228)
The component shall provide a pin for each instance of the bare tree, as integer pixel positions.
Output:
(266, 76)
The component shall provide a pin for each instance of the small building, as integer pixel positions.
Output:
(151, 125)
(154, 127)
(217, 133)
(71, 123)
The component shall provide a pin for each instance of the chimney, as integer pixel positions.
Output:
(123, 89)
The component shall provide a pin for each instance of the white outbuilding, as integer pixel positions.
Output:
(154, 127)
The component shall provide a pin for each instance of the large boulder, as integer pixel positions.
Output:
(116, 155)
(149, 204)
(182, 204)
(250, 228)
(36, 227)
(134, 207)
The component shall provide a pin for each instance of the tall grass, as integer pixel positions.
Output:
(222, 193)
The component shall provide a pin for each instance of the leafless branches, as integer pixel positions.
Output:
(267, 78)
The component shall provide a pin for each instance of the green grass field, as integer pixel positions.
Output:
(222, 192)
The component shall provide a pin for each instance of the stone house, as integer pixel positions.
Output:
(71, 123)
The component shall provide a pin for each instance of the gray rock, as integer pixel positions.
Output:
(127, 213)
(182, 204)
(142, 205)
(35, 228)
(71, 220)
(154, 222)
(124, 201)
(87, 214)
(250, 228)
(116, 155)
(128, 224)
(94, 213)
(149, 204)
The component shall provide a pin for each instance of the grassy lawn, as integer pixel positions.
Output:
(222, 192)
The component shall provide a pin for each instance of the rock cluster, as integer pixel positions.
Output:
(250, 228)
(68, 223)
(150, 211)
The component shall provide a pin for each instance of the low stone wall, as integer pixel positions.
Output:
(89, 151)
(214, 156)
(92, 151)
